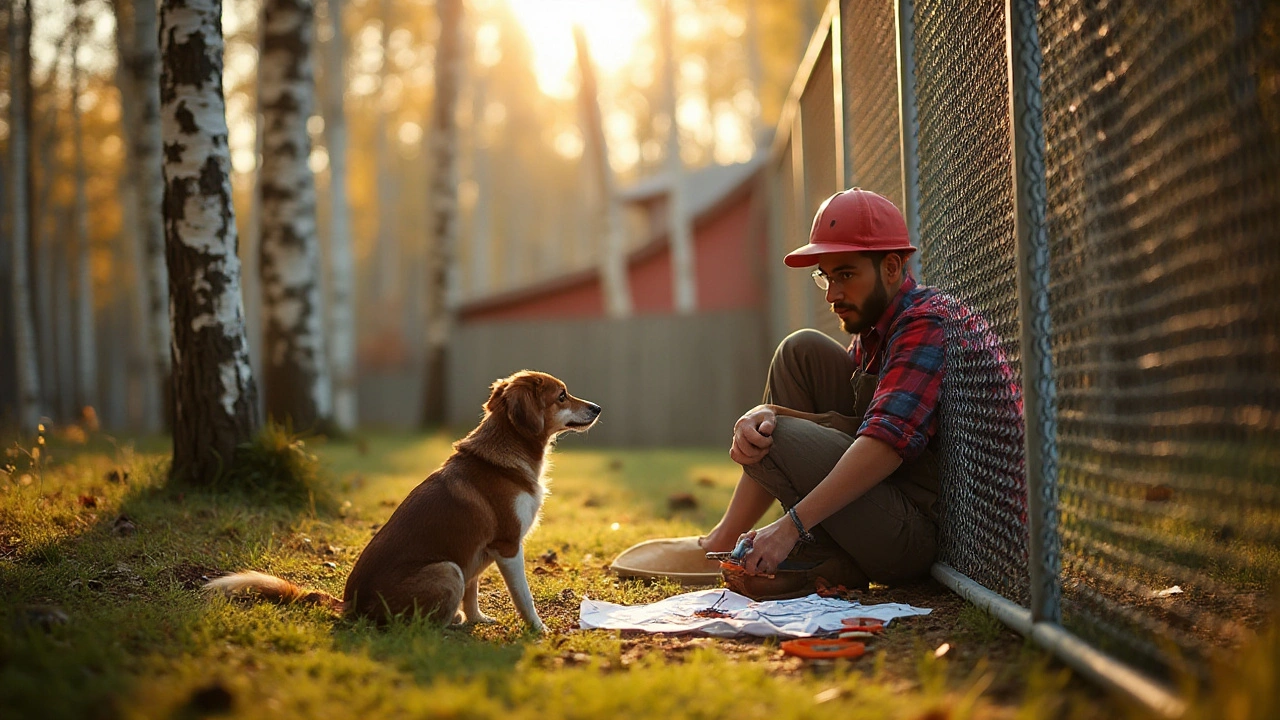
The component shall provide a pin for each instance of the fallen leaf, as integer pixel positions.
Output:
(828, 695)
(1169, 591)
(682, 501)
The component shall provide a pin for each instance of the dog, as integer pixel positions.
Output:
(474, 510)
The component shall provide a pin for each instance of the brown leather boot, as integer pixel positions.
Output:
(798, 574)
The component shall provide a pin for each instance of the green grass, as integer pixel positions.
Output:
(141, 642)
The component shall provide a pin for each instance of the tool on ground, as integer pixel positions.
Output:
(824, 649)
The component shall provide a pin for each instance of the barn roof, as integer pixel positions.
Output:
(708, 189)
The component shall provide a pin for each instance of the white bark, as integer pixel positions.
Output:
(387, 255)
(145, 67)
(214, 397)
(613, 261)
(443, 210)
(19, 138)
(296, 372)
(683, 280)
(342, 340)
(140, 194)
(86, 346)
(481, 220)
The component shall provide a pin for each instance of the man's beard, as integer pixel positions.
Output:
(870, 311)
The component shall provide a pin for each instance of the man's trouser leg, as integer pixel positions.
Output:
(888, 537)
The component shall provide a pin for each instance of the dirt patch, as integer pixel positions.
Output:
(191, 576)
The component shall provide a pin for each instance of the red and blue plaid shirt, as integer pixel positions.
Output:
(904, 410)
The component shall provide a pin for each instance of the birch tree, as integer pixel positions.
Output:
(613, 261)
(295, 367)
(213, 394)
(443, 209)
(86, 351)
(144, 141)
(138, 77)
(386, 268)
(342, 340)
(683, 280)
(28, 379)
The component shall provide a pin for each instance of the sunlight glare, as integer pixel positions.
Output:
(613, 29)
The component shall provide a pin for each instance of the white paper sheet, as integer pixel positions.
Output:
(801, 617)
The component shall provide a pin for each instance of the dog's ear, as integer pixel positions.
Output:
(497, 395)
(523, 406)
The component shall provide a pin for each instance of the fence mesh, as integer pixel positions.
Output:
(1162, 170)
(821, 178)
(869, 55)
(1162, 132)
(967, 248)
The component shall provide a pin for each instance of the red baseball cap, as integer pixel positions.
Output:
(853, 220)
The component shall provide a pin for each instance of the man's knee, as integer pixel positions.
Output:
(801, 342)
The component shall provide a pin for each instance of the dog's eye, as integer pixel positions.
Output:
(563, 395)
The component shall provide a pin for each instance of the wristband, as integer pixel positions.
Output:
(805, 535)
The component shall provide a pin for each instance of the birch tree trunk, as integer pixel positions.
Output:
(295, 367)
(86, 346)
(387, 255)
(482, 214)
(342, 340)
(28, 379)
(213, 397)
(683, 279)
(144, 66)
(613, 260)
(140, 194)
(443, 211)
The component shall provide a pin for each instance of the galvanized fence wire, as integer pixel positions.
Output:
(1161, 212)
(868, 58)
(968, 250)
(1162, 127)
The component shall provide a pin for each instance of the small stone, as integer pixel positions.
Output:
(123, 526)
(39, 617)
(214, 698)
(330, 564)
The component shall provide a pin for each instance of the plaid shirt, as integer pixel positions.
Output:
(904, 410)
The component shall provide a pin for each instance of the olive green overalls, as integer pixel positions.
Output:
(891, 532)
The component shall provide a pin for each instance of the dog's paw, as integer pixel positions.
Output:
(482, 619)
(537, 628)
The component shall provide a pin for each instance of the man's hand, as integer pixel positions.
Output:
(752, 435)
(770, 545)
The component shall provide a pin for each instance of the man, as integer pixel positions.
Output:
(846, 437)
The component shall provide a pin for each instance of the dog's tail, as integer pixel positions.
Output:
(272, 588)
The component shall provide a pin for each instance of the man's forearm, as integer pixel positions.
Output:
(864, 465)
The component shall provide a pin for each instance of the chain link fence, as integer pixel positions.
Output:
(1163, 177)
(1149, 183)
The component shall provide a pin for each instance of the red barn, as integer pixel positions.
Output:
(662, 378)
(726, 241)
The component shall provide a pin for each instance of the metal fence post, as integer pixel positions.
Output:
(909, 125)
(1031, 234)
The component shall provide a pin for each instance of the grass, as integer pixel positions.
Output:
(101, 621)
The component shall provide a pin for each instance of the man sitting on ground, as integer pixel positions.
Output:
(846, 439)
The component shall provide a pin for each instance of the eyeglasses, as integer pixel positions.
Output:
(824, 281)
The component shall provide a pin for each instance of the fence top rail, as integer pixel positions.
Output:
(791, 108)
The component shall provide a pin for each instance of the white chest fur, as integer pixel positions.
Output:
(527, 510)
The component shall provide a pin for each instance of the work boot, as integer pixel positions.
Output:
(797, 575)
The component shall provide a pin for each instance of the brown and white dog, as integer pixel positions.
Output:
(474, 510)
